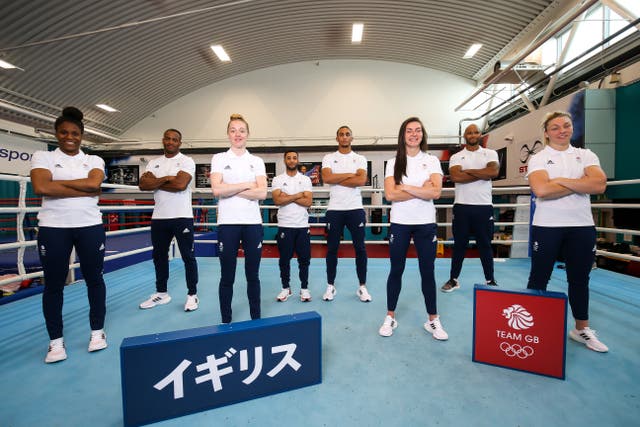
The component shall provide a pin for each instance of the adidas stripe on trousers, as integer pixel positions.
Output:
(54, 247)
(355, 221)
(577, 246)
(476, 220)
(290, 241)
(229, 238)
(424, 239)
(162, 231)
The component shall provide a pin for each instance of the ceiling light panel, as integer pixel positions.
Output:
(356, 32)
(220, 53)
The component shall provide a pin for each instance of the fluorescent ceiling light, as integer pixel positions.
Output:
(472, 50)
(219, 51)
(356, 33)
(6, 65)
(105, 107)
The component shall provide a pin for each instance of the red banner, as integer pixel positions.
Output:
(523, 330)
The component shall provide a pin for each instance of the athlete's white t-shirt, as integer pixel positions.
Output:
(574, 209)
(68, 212)
(292, 215)
(476, 192)
(235, 169)
(343, 198)
(419, 169)
(172, 204)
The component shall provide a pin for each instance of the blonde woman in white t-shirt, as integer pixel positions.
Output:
(69, 182)
(562, 178)
(239, 181)
(413, 180)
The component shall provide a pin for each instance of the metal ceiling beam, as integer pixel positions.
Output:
(621, 10)
(50, 119)
(563, 56)
(557, 28)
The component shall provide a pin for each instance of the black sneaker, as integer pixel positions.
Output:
(450, 286)
(491, 283)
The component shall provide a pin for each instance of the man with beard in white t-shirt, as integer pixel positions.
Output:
(472, 170)
(291, 192)
(169, 176)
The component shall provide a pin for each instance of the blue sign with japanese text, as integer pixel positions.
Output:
(171, 374)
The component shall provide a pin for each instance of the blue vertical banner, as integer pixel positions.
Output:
(171, 374)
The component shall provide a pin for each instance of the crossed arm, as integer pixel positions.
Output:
(44, 184)
(303, 198)
(470, 175)
(173, 184)
(594, 181)
(250, 190)
(430, 189)
(352, 180)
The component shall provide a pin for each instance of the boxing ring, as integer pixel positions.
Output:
(409, 379)
(131, 243)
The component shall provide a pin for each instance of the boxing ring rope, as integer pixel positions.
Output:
(21, 210)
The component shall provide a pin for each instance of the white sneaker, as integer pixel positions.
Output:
(159, 298)
(329, 293)
(434, 327)
(305, 295)
(56, 352)
(588, 337)
(192, 303)
(284, 295)
(389, 324)
(363, 294)
(98, 340)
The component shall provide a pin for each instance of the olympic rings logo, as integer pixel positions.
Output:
(526, 152)
(516, 350)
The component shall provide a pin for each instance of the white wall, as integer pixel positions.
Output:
(309, 100)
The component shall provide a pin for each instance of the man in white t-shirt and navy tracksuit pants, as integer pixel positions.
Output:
(472, 170)
(345, 171)
(291, 192)
(169, 177)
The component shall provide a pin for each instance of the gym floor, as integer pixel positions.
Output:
(408, 379)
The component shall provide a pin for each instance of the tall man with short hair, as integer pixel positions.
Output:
(291, 192)
(168, 176)
(472, 170)
(345, 171)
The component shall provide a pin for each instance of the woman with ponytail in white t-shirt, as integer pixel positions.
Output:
(413, 180)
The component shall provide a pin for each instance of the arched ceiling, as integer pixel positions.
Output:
(139, 55)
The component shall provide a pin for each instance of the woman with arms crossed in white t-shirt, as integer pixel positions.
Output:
(69, 181)
(562, 178)
(413, 180)
(239, 181)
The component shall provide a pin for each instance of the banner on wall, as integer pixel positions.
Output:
(16, 152)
